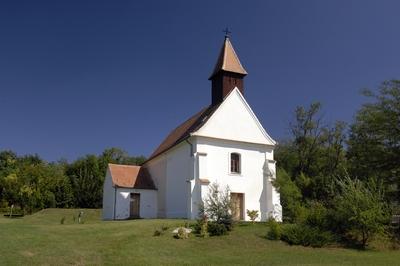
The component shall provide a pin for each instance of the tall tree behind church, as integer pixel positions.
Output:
(314, 154)
(374, 142)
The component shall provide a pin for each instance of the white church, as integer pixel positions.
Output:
(223, 143)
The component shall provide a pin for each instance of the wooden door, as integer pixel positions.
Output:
(237, 206)
(135, 205)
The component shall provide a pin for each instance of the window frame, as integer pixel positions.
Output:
(239, 166)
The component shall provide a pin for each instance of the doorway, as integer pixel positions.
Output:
(135, 205)
(237, 200)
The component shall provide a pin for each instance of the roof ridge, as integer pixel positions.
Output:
(181, 132)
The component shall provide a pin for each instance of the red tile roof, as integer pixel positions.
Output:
(183, 131)
(131, 176)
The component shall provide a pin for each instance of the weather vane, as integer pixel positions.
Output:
(227, 32)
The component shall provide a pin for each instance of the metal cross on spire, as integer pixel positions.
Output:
(227, 32)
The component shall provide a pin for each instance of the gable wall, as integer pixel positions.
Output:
(234, 120)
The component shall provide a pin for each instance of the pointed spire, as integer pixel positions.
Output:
(228, 73)
(228, 60)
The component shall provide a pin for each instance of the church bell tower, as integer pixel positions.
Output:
(228, 73)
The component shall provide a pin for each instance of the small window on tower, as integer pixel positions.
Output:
(235, 163)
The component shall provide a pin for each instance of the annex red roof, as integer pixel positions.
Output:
(130, 176)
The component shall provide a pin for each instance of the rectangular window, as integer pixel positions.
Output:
(235, 163)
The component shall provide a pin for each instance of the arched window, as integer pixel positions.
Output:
(235, 163)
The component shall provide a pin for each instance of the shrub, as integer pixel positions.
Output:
(201, 227)
(317, 215)
(299, 234)
(253, 215)
(275, 230)
(161, 231)
(157, 232)
(361, 211)
(216, 229)
(217, 207)
(203, 230)
(164, 228)
(290, 193)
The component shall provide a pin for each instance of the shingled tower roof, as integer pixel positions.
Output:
(228, 60)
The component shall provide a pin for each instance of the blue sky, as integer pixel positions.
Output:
(79, 76)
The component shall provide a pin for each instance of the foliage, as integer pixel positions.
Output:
(374, 142)
(32, 184)
(318, 216)
(217, 207)
(164, 228)
(201, 226)
(300, 234)
(157, 232)
(253, 215)
(216, 229)
(313, 156)
(275, 230)
(360, 209)
(290, 194)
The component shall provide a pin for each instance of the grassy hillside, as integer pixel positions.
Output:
(41, 239)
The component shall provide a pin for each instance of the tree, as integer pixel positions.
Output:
(374, 142)
(217, 206)
(314, 154)
(86, 177)
(290, 195)
(360, 209)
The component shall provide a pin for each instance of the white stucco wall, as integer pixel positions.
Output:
(232, 128)
(252, 181)
(171, 173)
(158, 171)
(234, 120)
(108, 197)
(148, 203)
(179, 173)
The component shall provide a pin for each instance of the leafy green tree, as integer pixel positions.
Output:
(58, 186)
(374, 142)
(10, 186)
(291, 197)
(217, 206)
(360, 209)
(86, 176)
(314, 154)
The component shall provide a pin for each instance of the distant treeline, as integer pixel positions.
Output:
(30, 183)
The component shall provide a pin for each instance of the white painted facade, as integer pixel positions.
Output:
(171, 172)
(179, 172)
(232, 128)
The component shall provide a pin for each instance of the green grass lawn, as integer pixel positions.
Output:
(40, 239)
